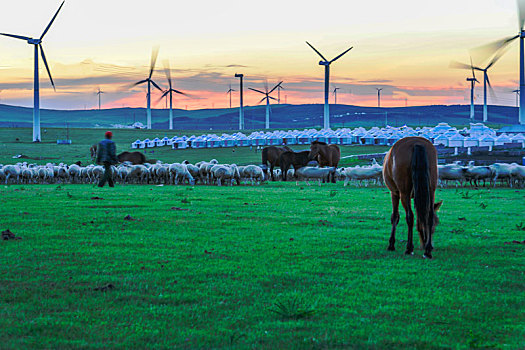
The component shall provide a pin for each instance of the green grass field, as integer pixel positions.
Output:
(83, 139)
(278, 266)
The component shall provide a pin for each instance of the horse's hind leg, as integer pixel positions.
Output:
(405, 201)
(394, 219)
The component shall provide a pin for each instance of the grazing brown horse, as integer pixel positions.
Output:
(133, 157)
(295, 159)
(410, 171)
(327, 155)
(271, 155)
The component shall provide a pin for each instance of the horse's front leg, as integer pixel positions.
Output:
(394, 220)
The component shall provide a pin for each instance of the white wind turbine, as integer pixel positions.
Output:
(486, 81)
(498, 46)
(267, 97)
(170, 91)
(99, 92)
(150, 82)
(229, 92)
(36, 87)
(326, 63)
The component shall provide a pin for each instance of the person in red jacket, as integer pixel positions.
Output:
(107, 156)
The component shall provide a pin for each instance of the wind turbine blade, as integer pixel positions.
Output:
(459, 65)
(167, 71)
(154, 55)
(313, 48)
(482, 53)
(491, 90)
(52, 20)
(16, 36)
(155, 84)
(472, 68)
(164, 94)
(47, 67)
(275, 87)
(497, 57)
(179, 92)
(264, 98)
(272, 98)
(141, 82)
(521, 13)
(259, 91)
(341, 55)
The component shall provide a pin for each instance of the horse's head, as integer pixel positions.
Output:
(314, 150)
(435, 220)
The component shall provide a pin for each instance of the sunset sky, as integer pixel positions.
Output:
(402, 46)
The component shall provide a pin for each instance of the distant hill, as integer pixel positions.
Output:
(283, 116)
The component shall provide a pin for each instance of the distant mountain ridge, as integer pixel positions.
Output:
(283, 116)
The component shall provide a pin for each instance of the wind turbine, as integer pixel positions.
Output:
(486, 81)
(473, 82)
(170, 91)
(379, 96)
(150, 82)
(335, 94)
(241, 106)
(502, 43)
(326, 63)
(36, 86)
(99, 92)
(229, 92)
(279, 88)
(267, 97)
(517, 92)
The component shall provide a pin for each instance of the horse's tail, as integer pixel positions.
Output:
(421, 183)
(265, 156)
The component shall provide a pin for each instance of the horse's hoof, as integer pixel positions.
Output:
(427, 256)
(409, 252)
(391, 248)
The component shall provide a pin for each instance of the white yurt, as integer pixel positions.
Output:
(502, 139)
(518, 138)
(456, 140)
(441, 140)
(487, 140)
(137, 144)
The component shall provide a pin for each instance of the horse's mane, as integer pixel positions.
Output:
(319, 143)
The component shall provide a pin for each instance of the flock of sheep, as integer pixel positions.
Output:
(213, 173)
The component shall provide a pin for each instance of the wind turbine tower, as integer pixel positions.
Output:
(335, 94)
(170, 91)
(326, 63)
(379, 96)
(517, 92)
(36, 85)
(241, 106)
(279, 88)
(99, 92)
(229, 92)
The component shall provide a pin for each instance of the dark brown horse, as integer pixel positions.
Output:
(295, 159)
(410, 171)
(271, 155)
(133, 157)
(327, 155)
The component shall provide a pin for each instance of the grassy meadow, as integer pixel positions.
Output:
(276, 266)
(83, 139)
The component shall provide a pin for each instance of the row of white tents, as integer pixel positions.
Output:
(477, 135)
